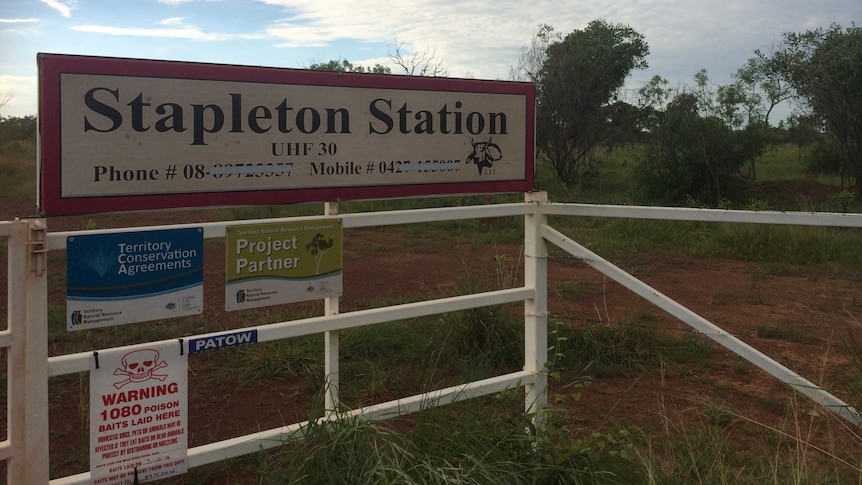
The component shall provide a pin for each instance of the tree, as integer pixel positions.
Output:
(531, 59)
(825, 67)
(579, 80)
(626, 125)
(735, 105)
(758, 87)
(17, 128)
(692, 157)
(804, 130)
(654, 95)
(651, 100)
(728, 103)
(761, 77)
(418, 63)
(343, 65)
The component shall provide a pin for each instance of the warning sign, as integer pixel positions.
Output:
(138, 414)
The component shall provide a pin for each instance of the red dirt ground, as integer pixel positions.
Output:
(739, 297)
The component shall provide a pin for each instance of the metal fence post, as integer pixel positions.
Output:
(331, 341)
(28, 356)
(536, 310)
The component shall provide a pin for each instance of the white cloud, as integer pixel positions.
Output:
(65, 9)
(18, 21)
(304, 35)
(483, 37)
(181, 31)
(172, 21)
(175, 3)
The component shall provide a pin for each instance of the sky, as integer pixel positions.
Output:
(478, 39)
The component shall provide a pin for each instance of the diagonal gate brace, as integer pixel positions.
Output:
(735, 345)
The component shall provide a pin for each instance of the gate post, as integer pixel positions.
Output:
(536, 310)
(28, 356)
(331, 342)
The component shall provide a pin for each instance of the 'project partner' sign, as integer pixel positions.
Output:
(271, 264)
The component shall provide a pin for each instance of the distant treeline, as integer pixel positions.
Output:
(17, 128)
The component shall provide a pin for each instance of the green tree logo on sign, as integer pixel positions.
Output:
(318, 247)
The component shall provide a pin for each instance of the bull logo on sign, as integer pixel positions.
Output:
(485, 153)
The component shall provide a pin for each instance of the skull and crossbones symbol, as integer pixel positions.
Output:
(138, 366)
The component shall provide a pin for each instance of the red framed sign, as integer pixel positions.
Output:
(127, 134)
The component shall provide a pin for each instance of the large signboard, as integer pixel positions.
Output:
(120, 134)
(138, 414)
(129, 277)
(286, 262)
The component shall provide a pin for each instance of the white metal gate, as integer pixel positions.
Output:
(26, 447)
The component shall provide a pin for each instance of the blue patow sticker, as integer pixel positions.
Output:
(233, 339)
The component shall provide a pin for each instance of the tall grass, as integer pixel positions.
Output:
(621, 349)
(18, 170)
(697, 451)
(432, 352)
(782, 162)
(478, 442)
(837, 251)
(470, 443)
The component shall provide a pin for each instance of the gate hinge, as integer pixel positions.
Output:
(38, 245)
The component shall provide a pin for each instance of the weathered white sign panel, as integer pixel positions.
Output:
(122, 134)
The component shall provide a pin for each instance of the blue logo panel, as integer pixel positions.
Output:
(133, 264)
